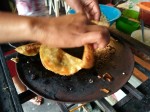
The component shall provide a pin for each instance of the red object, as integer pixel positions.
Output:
(145, 12)
(11, 64)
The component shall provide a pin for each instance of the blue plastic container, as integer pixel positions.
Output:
(111, 13)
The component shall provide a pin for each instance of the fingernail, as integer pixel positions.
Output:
(95, 46)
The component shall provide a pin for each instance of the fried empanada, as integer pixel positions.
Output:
(31, 49)
(58, 61)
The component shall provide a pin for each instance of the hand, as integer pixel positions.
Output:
(63, 32)
(90, 7)
(69, 31)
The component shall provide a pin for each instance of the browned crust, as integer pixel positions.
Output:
(31, 49)
(59, 62)
(88, 57)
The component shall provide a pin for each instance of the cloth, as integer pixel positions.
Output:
(11, 65)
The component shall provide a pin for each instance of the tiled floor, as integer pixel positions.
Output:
(47, 106)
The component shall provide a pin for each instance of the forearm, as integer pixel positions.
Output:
(62, 32)
(14, 28)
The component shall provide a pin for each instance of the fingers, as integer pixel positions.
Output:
(97, 12)
(93, 11)
(97, 35)
(99, 38)
(97, 16)
(94, 27)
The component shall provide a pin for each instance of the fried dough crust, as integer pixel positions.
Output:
(58, 61)
(31, 49)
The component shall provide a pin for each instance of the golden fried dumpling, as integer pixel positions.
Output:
(31, 49)
(58, 61)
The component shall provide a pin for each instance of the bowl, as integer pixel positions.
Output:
(145, 12)
(111, 13)
(127, 26)
(130, 14)
(138, 35)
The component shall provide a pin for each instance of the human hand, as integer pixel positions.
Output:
(90, 7)
(69, 31)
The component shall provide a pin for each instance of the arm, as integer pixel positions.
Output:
(64, 32)
(14, 28)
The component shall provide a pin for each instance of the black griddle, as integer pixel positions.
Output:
(84, 86)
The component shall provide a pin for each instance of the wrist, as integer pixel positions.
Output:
(28, 26)
(40, 28)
